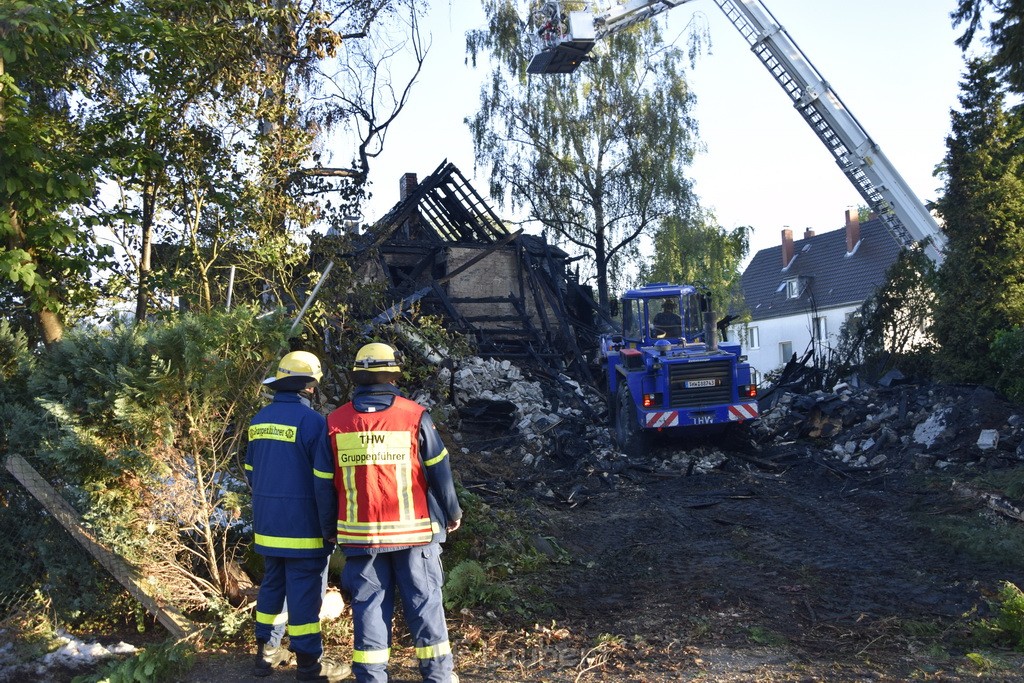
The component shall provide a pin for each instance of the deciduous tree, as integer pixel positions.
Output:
(695, 249)
(201, 126)
(597, 157)
(47, 172)
(224, 130)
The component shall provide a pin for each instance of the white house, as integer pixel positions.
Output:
(801, 292)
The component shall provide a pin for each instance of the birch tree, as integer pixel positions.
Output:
(597, 157)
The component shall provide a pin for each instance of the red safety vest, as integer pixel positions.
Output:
(382, 487)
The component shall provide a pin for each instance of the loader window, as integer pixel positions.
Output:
(693, 323)
(632, 317)
(665, 318)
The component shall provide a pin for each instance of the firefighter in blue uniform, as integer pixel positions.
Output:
(291, 471)
(396, 504)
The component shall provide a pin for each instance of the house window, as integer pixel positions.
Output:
(793, 289)
(821, 329)
(785, 351)
(752, 338)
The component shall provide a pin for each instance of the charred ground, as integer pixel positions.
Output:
(794, 558)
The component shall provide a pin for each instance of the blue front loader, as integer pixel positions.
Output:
(666, 371)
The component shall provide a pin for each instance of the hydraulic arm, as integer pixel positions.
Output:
(567, 42)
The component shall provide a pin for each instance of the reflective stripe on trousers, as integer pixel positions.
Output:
(303, 580)
(372, 580)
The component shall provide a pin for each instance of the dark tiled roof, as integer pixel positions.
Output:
(825, 270)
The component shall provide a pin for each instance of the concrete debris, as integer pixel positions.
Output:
(922, 427)
(932, 429)
(479, 382)
(696, 461)
(988, 439)
(557, 430)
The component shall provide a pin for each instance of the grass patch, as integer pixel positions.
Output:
(765, 636)
(987, 664)
(921, 629)
(966, 526)
(1006, 628)
(493, 558)
(1008, 483)
(981, 539)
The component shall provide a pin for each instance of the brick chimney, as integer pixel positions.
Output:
(808, 233)
(852, 229)
(787, 247)
(406, 185)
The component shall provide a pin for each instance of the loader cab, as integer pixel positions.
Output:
(662, 311)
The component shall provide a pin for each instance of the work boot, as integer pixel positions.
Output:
(312, 669)
(268, 658)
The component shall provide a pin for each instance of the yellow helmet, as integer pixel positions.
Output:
(297, 364)
(378, 357)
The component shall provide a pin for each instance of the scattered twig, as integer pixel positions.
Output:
(599, 657)
(993, 501)
(810, 610)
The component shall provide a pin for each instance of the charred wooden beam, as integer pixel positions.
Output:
(393, 311)
(479, 300)
(452, 312)
(494, 319)
(412, 278)
(554, 294)
(538, 300)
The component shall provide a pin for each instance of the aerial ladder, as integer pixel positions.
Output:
(566, 41)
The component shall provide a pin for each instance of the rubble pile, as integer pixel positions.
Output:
(531, 430)
(923, 426)
(494, 397)
(700, 460)
(555, 430)
(551, 434)
(480, 382)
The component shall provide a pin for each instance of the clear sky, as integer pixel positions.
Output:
(892, 62)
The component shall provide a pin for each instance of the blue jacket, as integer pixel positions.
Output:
(441, 497)
(290, 468)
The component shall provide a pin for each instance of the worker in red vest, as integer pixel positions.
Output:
(396, 504)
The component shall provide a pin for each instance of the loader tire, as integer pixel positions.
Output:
(631, 439)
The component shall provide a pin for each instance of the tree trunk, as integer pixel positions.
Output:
(600, 251)
(145, 255)
(50, 325)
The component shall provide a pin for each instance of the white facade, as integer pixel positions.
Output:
(770, 343)
(806, 289)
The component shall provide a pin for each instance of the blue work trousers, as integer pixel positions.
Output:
(371, 581)
(292, 587)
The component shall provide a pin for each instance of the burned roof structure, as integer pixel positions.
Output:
(444, 247)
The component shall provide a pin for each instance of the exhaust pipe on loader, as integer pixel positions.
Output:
(710, 330)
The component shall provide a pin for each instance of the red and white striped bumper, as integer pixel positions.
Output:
(743, 411)
(665, 419)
